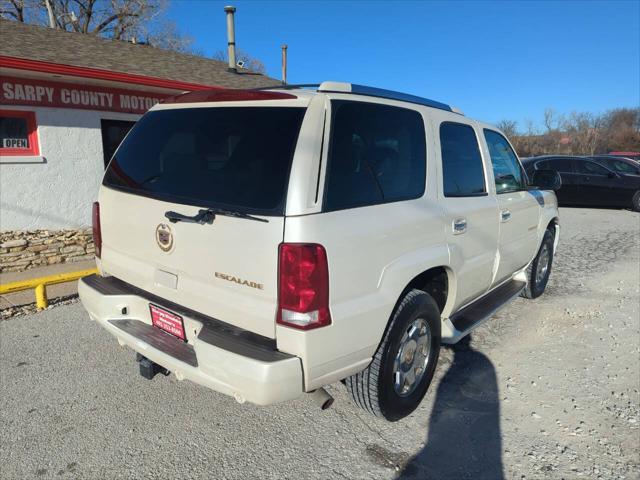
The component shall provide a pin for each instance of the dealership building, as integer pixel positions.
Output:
(66, 102)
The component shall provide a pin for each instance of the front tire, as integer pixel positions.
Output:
(539, 270)
(398, 377)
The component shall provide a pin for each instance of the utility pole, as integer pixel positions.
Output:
(231, 38)
(52, 21)
(284, 64)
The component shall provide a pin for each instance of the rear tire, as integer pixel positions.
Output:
(635, 202)
(540, 268)
(411, 343)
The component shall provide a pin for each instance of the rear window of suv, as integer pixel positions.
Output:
(237, 157)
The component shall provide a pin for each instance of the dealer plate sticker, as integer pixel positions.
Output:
(167, 321)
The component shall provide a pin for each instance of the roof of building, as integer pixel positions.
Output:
(91, 51)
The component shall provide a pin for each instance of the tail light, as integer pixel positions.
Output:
(97, 233)
(303, 288)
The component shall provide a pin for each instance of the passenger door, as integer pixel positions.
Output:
(597, 185)
(519, 209)
(471, 214)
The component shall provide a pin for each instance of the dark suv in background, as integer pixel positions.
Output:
(588, 182)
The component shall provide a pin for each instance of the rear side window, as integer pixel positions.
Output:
(622, 167)
(238, 157)
(377, 155)
(590, 168)
(462, 169)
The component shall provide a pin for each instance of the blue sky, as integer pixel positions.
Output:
(492, 59)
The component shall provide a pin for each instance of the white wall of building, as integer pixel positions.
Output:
(57, 190)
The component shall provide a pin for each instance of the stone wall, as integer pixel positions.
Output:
(22, 250)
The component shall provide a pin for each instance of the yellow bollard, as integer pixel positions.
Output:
(41, 296)
(40, 284)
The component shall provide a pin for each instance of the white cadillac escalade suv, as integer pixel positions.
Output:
(266, 243)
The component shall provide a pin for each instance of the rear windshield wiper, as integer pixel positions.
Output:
(209, 215)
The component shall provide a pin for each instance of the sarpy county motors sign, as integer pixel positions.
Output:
(41, 93)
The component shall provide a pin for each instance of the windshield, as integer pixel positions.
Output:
(236, 157)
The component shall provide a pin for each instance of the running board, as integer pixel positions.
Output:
(478, 312)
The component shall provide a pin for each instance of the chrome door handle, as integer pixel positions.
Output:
(459, 226)
(505, 215)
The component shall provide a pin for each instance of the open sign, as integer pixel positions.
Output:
(15, 143)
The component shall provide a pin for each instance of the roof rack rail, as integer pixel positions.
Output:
(343, 87)
(289, 86)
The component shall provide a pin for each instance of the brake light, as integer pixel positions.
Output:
(97, 232)
(227, 95)
(303, 286)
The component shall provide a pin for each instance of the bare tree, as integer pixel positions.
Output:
(582, 133)
(509, 127)
(167, 36)
(583, 130)
(621, 130)
(550, 119)
(13, 9)
(138, 21)
(129, 20)
(250, 63)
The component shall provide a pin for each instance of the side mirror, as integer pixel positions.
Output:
(546, 179)
(508, 178)
(506, 181)
(612, 175)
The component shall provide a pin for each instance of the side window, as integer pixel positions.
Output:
(624, 167)
(544, 165)
(377, 155)
(562, 165)
(462, 170)
(590, 168)
(506, 168)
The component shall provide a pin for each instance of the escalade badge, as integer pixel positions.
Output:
(164, 237)
(239, 281)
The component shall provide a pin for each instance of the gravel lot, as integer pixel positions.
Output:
(547, 389)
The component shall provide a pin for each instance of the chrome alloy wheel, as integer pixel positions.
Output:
(543, 264)
(412, 358)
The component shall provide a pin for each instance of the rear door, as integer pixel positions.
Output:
(519, 209)
(185, 160)
(471, 213)
(598, 185)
